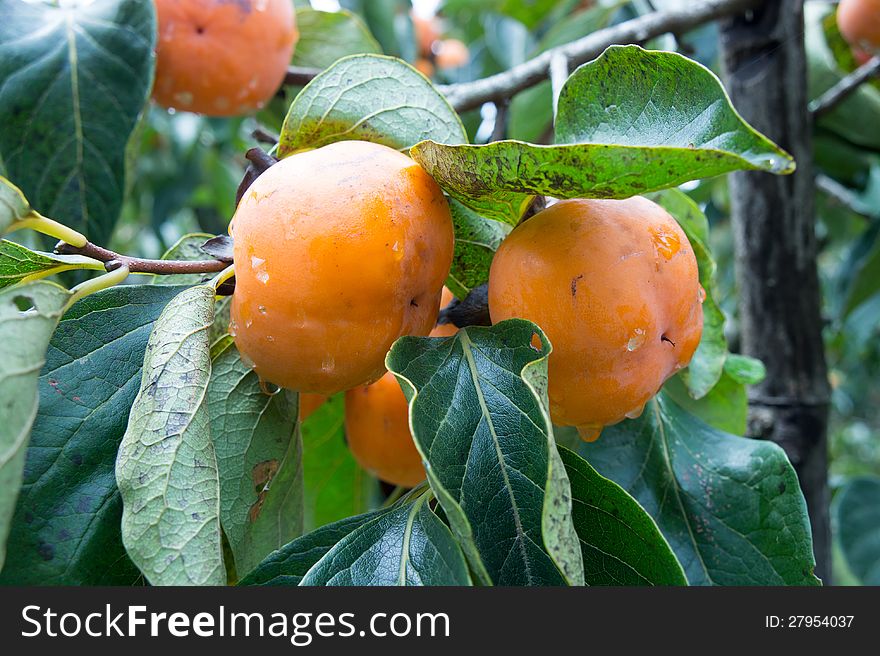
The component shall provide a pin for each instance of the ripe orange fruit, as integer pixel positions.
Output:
(377, 424)
(614, 285)
(859, 23)
(427, 31)
(377, 430)
(451, 53)
(308, 403)
(338, 252)
(222, 57)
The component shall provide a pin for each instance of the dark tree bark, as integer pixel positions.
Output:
(775, 243)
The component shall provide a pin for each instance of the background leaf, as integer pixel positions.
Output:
(73, 80)
(406, 546)
(371, 98)
(620, 542)
(28, 317)
(476, 240)
(18, 263)
(629, 122)
(258, 458)
(166, 469)
(856, 513)
(479, 419)
(289, 564)
(335, 486)
(712, 495)
(66, 525)
(327, 36)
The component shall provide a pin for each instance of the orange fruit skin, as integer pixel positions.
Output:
(339, 251)
(859, 23)
(377, 430)
(609, 282)
(222, 57)
(308, 403)
(446, 329)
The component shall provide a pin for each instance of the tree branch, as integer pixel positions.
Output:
(469, 95)
(299, 76)
(113, 261)
(840, 91)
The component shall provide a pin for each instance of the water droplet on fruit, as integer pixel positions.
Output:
(635, 413)
(261, 309)
(701, 294)
(269, 389)
(248, 323)
(269, 338)
(666, 242)
(589, 432)
(637, 339)
(328, 364)
(258, 264)
(246, 361)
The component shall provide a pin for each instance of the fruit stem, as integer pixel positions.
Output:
(113, 261)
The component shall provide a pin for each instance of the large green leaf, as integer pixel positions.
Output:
(66, 525)
(620, 542)
(629, 122)
(725, 407)
(258, 456)
(479, 419)
(28, 317)
(335, 487)
(289, 564)
(856, 514)
(18, 263)
(13, 205)
(166, 469)
(73, 79)
(370, 98)
(476, 240)
(327, 36)
(729, 506)
(704, 370)
(406, 546)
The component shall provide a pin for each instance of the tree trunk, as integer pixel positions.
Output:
(775, 245)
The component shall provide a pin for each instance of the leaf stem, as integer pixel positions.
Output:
(93, 285)
(50, 227)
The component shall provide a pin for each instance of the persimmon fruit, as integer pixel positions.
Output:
(377, 424)
(614, 285)
(859, 23)
(338, 252)
(451, 53)
(222, 57)
(308, 403)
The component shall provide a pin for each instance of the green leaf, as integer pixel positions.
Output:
(289, 564)
(335, 487)
(13, 205)
(725, 407)
(17, 263)
(327, 36)
(66, 525)
(370, 98)
(744, 369)
(531, 111)
(713, 495)
(629, 122)
(258, 457)
(479, 418)
(620, 542)
(856, 513)
(476, 240)
(406, 546)
(73, 80)
(704, 370)
(166, 469)
(28, 317)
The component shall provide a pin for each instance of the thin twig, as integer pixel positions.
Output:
(845, 197)
(113, 261)
(262, 135)
(469, 95)
(840, 91)
(299, 76)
